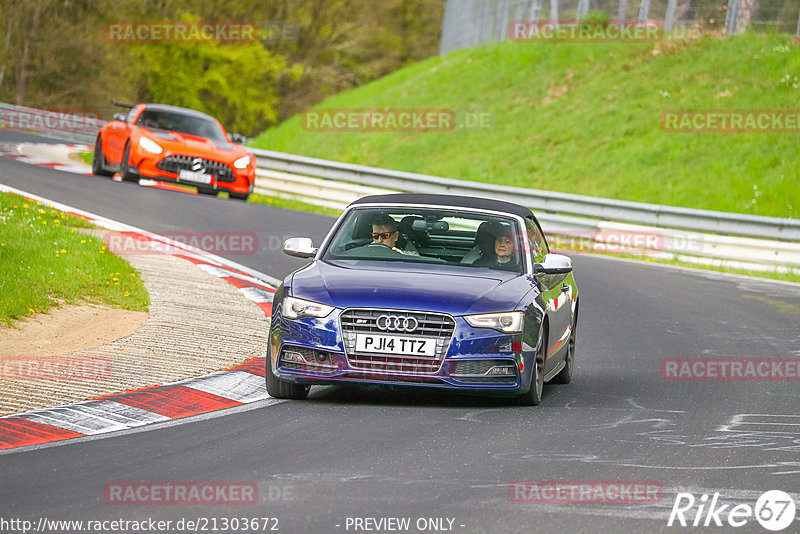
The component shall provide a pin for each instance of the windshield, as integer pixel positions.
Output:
(428, 236)
(182, 123)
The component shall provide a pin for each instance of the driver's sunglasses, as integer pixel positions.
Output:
(382, 235)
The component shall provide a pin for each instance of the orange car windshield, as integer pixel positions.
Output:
(178, 122)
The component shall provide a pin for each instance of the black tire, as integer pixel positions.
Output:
(99, 160)
(241, 196)
(207, 191)
(124, 168)
(565, 375)
(534, 395)
(281, 389)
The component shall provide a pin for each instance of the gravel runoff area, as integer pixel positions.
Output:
(198, 324)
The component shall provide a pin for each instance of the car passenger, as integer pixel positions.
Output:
(502, 257)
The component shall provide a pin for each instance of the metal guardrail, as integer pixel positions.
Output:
(582, 220)
(540, 201)
(60, 124)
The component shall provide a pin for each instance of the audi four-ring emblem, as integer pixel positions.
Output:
(397, 323)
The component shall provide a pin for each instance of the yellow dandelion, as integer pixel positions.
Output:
(44, 222)
(57, 255)
(116, 283)
(15, 206)
(63, 251)
(38, 217)
(53, 212)
(31, 310)
(3, 244)
(104, 247)
(42, 211)
(115, 279)
(126, 294)
(24, 206)
(72, 231)
(107, 283)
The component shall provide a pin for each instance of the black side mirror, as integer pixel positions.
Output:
(239, 139)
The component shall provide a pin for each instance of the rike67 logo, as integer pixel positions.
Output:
(774, 510)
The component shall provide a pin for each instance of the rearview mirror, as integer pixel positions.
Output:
(239, 139)
(299, 247)
(554, 264)
(119, 117)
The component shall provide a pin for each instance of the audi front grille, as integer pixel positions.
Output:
(436, 327)
(176, 164)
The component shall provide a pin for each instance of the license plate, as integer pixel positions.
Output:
(191, 176)
(406, 346)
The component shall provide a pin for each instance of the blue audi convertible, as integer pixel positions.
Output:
(423, 290)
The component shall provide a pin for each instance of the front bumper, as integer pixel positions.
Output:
(166, 167)
(479, 360)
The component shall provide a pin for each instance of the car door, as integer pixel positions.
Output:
(557, 295)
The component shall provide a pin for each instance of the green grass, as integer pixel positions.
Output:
(291, 204)
(47, 261)
(584, 118)
(87, 157)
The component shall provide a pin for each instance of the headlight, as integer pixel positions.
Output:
(506, 322)
(242, 162)
(150, 146)
(295, 308)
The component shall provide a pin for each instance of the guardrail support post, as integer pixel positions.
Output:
(798, 24)
(731, 16)
(670, 17)
(583, 9)
(644, 10)
(554, 12)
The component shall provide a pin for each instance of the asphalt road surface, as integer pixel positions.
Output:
(347, 459)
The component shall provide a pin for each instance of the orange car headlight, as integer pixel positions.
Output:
(242, 162)
(148, 145)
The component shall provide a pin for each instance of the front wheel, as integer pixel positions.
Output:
(281, 389)
(534, 395)
(124, 167)
(565, 375)
(241, 196)
(99, 160)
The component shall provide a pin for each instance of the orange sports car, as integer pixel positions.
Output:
(173, 144)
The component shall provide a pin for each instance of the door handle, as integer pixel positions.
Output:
(565, 289)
